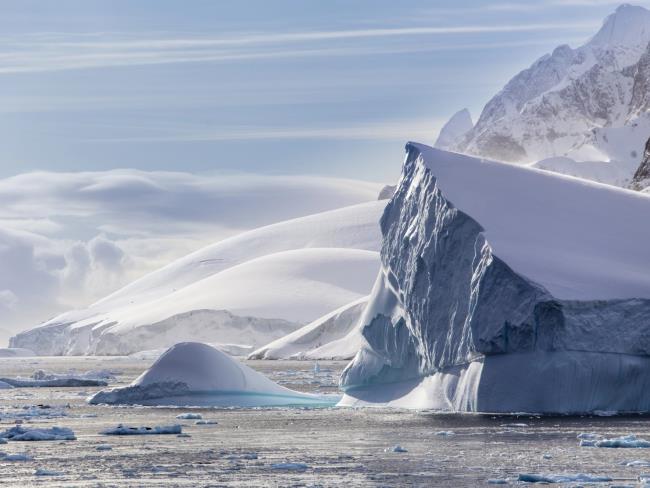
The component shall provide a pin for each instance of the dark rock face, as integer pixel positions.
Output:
(641, 179)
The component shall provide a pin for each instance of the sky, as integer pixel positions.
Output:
(274, 87)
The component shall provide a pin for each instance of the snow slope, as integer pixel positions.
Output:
(589, 104)
(505, 288)
(249, 289)
(196, 374)
(333, 336)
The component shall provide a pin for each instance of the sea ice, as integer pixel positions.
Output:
(21, 433)
(159, 429)
(396, 448)
(563, 478)
(189, 416)
(47, 472)
(290, 466)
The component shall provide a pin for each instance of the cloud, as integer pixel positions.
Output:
(51, 52)
(68, 239)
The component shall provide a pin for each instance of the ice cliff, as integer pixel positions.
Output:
(506, 289)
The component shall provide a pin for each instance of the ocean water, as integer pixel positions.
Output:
(296, 447)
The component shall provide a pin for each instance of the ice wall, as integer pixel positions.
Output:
(450, 322)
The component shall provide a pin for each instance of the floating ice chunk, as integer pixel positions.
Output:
(189, 416)
(563, 478)
(15, 457)
(52, 383)
(206, 422)
(21, 433)
(396, 448)
(159, 429)
(497, 481)
(290, 466)
(192, 373)
(628, 441)
(445, 433)
(104, 447)
(47, 472)
(515, 426)
(605, 413)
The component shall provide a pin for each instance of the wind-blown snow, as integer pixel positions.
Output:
(197, 374)
(249, 289)
(503, 289)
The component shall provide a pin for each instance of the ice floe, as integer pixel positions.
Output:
(21, 433)
(157, 430)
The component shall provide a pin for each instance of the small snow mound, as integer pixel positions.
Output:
(192, 373)
(157, 430)
(21, 433)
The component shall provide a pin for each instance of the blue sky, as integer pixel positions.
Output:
(274, 87)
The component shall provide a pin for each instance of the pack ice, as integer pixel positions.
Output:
(506, 289)
(196, 374)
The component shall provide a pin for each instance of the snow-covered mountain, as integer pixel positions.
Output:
(583, 105)
(249, 289)
(506, 289)
(455, 130)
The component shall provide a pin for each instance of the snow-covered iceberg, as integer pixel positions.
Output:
(196, 374)
(506, 289)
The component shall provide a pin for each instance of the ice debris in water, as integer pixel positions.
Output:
(396, 448)
(104, 447)
(497, 481)
(189, 416)
(206, 422)
(563, 478)
(159, 429)
(628, 441)
(20, 433)
(15, 457)
(47, 472)
(290, 466)
(445, 433)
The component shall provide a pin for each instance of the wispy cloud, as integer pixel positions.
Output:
(52, 52)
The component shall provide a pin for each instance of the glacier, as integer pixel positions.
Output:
(249, 290)
(506, 289)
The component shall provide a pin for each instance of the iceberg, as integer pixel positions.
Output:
(196, 374)
(506, 289)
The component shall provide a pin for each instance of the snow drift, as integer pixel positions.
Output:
(248, 290)
(196, 374)
(506, 289)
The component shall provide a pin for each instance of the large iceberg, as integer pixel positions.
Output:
(192, 373)
(506, 289)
